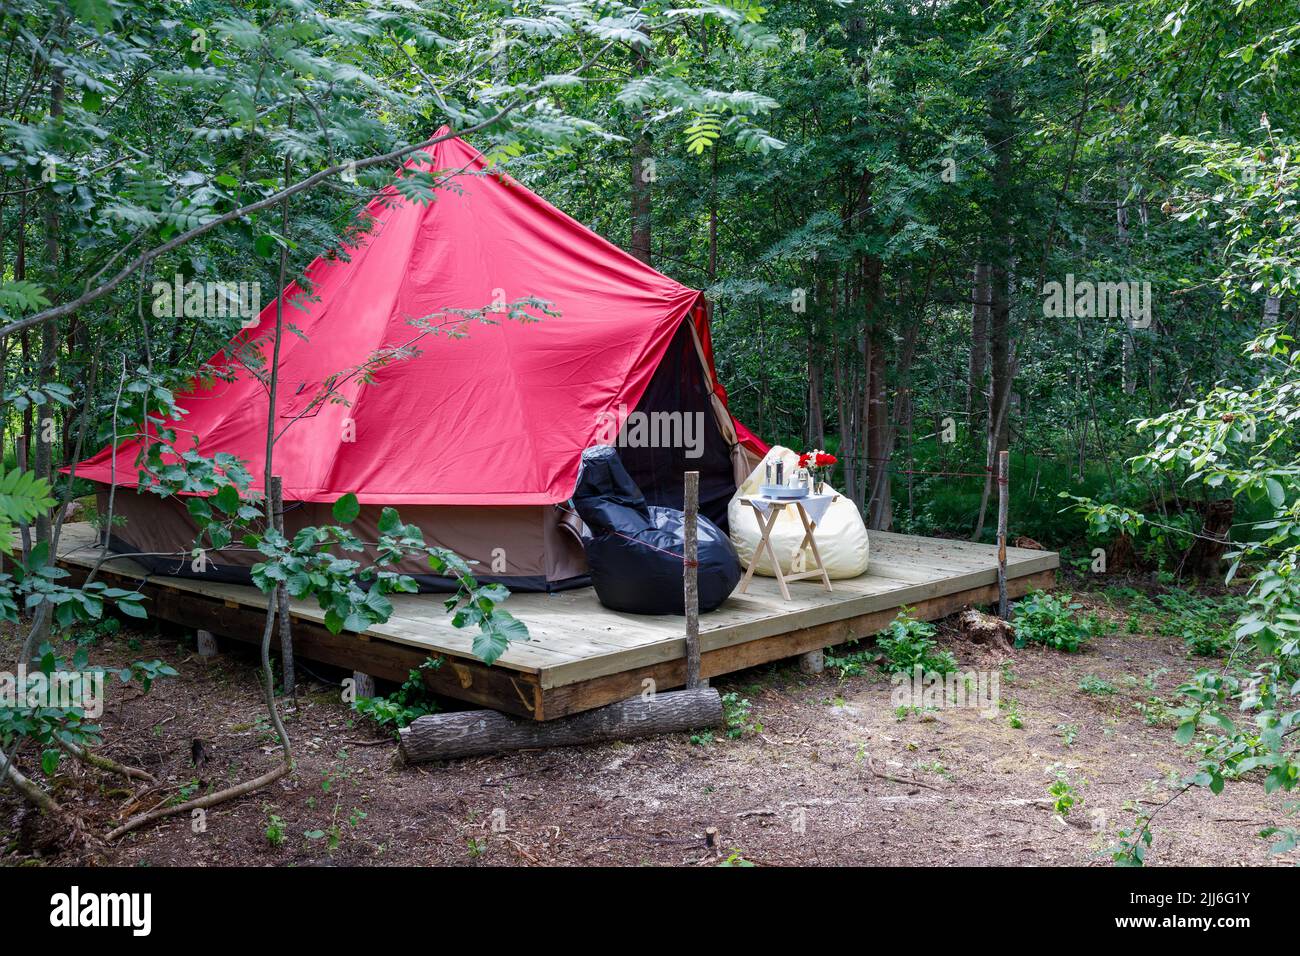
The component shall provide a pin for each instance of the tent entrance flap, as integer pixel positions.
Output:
(673, 430)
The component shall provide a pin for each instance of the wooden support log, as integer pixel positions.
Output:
(472, 732)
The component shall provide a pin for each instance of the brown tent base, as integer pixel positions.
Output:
(524, 547)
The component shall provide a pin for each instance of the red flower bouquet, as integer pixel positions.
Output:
(815, 461)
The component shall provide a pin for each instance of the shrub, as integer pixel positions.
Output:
(736, 713)
(908, 643)
(1097, 686)
(403, 705)
(1206, 625)
(1054, 621)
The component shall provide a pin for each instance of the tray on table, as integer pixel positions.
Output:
(782, 491)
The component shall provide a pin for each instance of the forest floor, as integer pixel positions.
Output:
(824, 770)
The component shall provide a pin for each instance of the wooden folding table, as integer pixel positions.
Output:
(767, 516)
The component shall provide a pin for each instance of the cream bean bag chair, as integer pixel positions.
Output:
(841, 534)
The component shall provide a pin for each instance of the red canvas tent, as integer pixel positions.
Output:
(479, 438)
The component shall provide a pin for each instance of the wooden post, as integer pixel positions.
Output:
(282, 598)
(1004, 494)
(207, 642)
(692, 580)
(363, 685)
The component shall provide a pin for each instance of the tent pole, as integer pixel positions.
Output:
(692, 579)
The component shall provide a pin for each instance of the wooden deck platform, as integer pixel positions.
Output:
(581, 655)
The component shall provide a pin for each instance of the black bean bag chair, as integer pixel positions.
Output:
(635, 550)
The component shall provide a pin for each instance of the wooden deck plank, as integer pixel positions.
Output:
(579, 653)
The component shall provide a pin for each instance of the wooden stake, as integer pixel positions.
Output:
(1004, 495)
(282, 598)
(692, 580)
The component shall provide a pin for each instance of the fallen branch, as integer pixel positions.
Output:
(104, 763)
(202, 803)
(248, 786)
(871, 765)
(31, 791)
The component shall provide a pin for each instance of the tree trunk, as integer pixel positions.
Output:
(49, 331)
(1204, 558)
(815, 430)
(1128, 374)
(642, 178)
(879, 444)
(1272, 310)
(979, 345)
(999, 136)
(473, 732)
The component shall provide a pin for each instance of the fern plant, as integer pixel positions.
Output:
(23, 496)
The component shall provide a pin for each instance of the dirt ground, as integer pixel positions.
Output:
(828, 772)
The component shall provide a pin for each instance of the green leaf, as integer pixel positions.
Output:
(390, 522)
(495, 634)
(1276, 494)
(133, 609)
(50, 761)
(227, 499)
(346, 509)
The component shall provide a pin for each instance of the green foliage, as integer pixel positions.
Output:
(908, 643)
(736, 720)
(36, 585)
(735, 859)
(1131, 845)
(850, 660)
(47, 718)
(411, 700)
(1015, 720)
(1097, 686)
(1053, 621)
(1206, 625)
(1242, 439)
(354, 595)
(1064, 792)
(736, 716)
(275, 830)
(23, 496)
